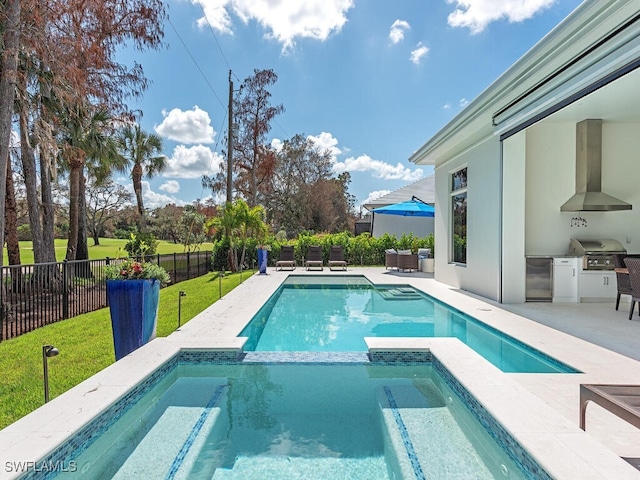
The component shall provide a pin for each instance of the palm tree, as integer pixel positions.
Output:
(227, 221)
(239, 222)
(250, 223)
(142, 152)
(85, 135)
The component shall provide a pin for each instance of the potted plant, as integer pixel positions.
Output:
(133, 291)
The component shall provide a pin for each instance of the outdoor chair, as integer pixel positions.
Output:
(336, 257)
(407, 261)
(314, 257)
(622, 278)
(390, 259)
(287, 258)
(624, 286)
(633, 265)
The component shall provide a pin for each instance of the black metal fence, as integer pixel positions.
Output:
(36, 295)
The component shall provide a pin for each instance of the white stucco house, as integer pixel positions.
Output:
(424, 190)
(507, 163)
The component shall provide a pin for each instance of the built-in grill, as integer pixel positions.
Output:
(599, 254)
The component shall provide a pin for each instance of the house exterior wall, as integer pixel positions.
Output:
(517, 139)
(397, 225)
(481, 274)
(550, 181)
(514, 155)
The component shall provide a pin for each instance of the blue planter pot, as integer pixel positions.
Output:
(262, 260)
(133, 305)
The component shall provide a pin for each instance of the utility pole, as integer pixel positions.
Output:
(230, 142)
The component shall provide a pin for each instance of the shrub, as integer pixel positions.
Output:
(141, 244)
(359, 250)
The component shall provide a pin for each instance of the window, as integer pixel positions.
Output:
(459, 216)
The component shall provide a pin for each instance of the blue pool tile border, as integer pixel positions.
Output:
(194, 356)
(305, 357)
(514, 450)
(400, 356)
(404, 434)
(81, 440)
(188, 443)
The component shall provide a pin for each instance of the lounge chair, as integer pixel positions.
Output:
(287, 258)
(621, 400)
(314, 257)
(390, 259)
(633, 265)
(407, 261)
(336, 257)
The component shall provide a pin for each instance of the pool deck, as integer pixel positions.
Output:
(540, 410)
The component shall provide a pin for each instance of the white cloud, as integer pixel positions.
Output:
(284, 21)
(446, 106)
(218, 199)
(216, 15)
(463, 102)
(277, 144)
(418, 53)
(152, 199)
(326, 141)
(191, 126)
(170, 186)
(375, 195)
(477, 14)
(192, 162)
(396, 34)
(379, 169)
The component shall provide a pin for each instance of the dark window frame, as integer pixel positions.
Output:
(458, 186)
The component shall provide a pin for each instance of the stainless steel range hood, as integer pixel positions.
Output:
(589, 196)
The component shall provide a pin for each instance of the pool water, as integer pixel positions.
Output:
(337, 314)
(297, 421)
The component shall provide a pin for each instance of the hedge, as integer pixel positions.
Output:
(359, 250)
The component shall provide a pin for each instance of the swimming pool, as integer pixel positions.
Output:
(299, 420)
(333, 313)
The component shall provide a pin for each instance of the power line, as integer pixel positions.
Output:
(281, 128)
(216, 40)
(196, 64)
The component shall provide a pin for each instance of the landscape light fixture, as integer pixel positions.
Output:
(180, 295)
(47, 351)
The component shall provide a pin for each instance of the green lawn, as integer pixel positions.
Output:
(86, 346)
(108, 248)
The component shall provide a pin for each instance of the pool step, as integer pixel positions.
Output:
(323, 468)
(175, 438)
(400, 293)
(424, 440)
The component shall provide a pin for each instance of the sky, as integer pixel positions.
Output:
(371, 80)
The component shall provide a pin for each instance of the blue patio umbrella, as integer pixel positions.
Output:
(410, 208)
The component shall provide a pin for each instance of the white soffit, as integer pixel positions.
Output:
(535, 72)
(568, 85)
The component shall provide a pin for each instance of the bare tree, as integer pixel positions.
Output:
(254, 160)
(10, 27)
(104, 202)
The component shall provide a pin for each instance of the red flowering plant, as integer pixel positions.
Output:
(129, 269)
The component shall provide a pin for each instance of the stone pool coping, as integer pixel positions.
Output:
(537, 409)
